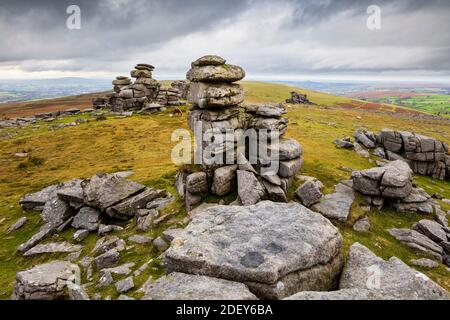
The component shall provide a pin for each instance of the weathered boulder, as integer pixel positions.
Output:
(288, 149)
(127, 208)
(56, 212)
(344, 143)
(362, 137)
(124, 285)
(54, 247)
(215, 73)
(425, 263)
(250, 190)
(18, 224)
(274, 192)
(47, 281)
(270, 111)
(45, 231)
(289, 168)
(182, 286)
(310, 192)
(87, 218)
(224, 180)
(197, 182)
(36, 201)
(336, 205)
(215, 95)
(364, 270)
(108, 259)
(418, 242)
(209, 60)
(431, 229)
(71, 191)
(276, 249)
(105, 190)
(391, 181)
(362, 225)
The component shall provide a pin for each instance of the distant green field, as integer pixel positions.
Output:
(436, 103)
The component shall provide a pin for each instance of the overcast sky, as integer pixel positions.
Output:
(285, 39)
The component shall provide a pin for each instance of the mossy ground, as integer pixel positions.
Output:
(143, 144)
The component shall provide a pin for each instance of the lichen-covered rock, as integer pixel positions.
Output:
(310, 192)
(87, 218)
(53, 247)
(418, 242)
(105, 190)
(127, 208)
(250, 190)
(362, 225)
(391, 181)
(216, 73)
(47, 281)
(364, 270)
(276, 249)
(336, 205)
(215, 95)
(182, 286)
(224, 180)
(431, 229)
(270, 111)
(56, 212)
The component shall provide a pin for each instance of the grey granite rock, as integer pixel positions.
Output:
(364, 270)
(181, 286)
(107, 243)
(219, 73)
(37, 200)
(77, 292)
(18, 224)
(46, 281)
(108, 259)
(87, 219)
(362, 225)
(45, 231)
(224, 180)
(105, 190)
(250, 190)
(310, 192)
(276, 249)
(431, 229)
(160, 244)
(425, 263)
(418, 242)
(289, 168)
(127, 208)
(336, 205)
(140, 239)
(56, 212)
(53, 247)
(125, 285)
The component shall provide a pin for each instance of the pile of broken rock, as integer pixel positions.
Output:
(216, 102)
(85, 205)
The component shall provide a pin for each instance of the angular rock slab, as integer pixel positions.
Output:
(182, 286)
(105, 190)
(277, 249)
(364, 270)
(54, 247)
(336, 205)
(45, 282)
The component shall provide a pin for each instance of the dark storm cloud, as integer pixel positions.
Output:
(267, 37)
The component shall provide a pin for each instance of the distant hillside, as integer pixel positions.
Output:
(24, 90)
(255, 92)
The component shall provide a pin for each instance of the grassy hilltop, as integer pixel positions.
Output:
(143, 144)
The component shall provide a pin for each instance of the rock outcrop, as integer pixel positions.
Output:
(368, 277)
(298, 98)
(228, 162)
(276, 249)
(182, 286)
(47, 281)
(425, 155)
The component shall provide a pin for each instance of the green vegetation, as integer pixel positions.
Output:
(143, 144)
(435, 103)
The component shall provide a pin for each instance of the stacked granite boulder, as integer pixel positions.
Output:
(183, 88)
(216, 100)
(393, 184)
(134, 96)
(169, 97)
(425, 155)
